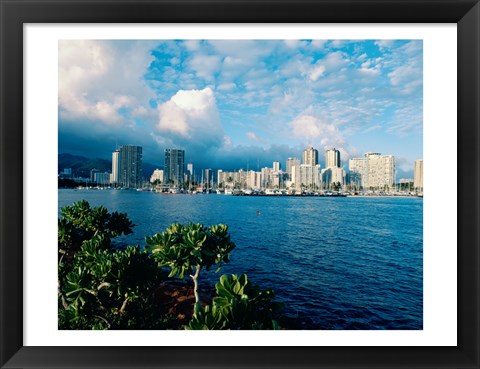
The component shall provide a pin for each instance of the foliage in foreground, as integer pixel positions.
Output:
(79, 224)
(110, 290)
(101, 288)
(238, 304)
(184, 249)
(104, 288)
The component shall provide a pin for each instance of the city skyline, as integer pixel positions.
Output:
(237, 104)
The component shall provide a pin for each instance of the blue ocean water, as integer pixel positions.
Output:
(336, 263)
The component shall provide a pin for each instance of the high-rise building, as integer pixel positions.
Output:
(276, 166)
(358, 168)
(130, 166)
(374, 171)
(208, 177)
(266, 178)
(333, 176)
(292, 162)
(332, 158)
(310, 177)
(115, 167)
(310, 156)
(418, 175)
(190, 172)
(333, 172)
(174, 167)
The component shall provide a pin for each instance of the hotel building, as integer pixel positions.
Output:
(333, 173)
(128, 161)
(174, 167)
(374, 171)
(115, 167)
(310, 156)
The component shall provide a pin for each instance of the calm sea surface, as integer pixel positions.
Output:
(336, 263)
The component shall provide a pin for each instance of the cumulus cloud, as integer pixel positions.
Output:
(191, 116)
(86, 67)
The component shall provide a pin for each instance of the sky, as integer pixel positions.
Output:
(233, 104)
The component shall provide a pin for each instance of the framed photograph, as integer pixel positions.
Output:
(316, 118)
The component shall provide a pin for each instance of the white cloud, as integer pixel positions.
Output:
(191, 116)
(318, 44)
(315, 131)
(191, 45)
(98, 78)
(295, 44)
(384, 44)
(317, 71)
(335, 61)
(227, 86)
(205, 66)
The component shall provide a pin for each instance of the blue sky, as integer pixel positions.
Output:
(234, 104)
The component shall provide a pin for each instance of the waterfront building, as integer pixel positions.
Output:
(266, 180)
(232, 179)
(208, 178)
(101, 179)
(310, 156)
(189, 174)
(332, 176)
(291, 162)
(115, 167)
(333, 172)
(92, 174)
(374, 171)
(418, 175)
(130, 166)
(358, 169)
(253, 179)
(332, 158)
(310, 177)
(293, 173)
(174, 164)
(157, 175)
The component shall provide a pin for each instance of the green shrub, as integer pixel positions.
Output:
(103, 288)
(110, 290)
(100, 288)
(238, 304)
(79, 223)
(184, 249)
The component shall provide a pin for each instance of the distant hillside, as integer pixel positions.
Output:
(81, 166)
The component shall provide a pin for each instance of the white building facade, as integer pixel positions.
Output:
(418, 175)
(374, 171)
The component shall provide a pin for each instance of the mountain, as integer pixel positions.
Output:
(81, 166)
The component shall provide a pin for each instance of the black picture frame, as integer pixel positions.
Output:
(15, 13)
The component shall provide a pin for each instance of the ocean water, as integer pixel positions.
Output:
(336, 263)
